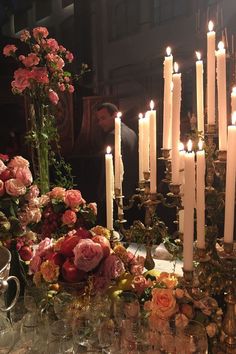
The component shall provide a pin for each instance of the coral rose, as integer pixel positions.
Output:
(23, 174)
(22, 80)
(39, 33)
(69, 217)
(73, 198)
(53, 97)
(31, 60)
(88, 254)
(15, 187)
(9, 49)
(40, 75)
(163, 303)
(58, 193)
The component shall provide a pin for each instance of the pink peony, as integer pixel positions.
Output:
(58, 193)
(15, 187)
(88, 255)
(44, 247)
(53, 97)
(112, 267)
(22, 80)
(31, 60)
(73, 198)
(23, 174)
(40, 75)
(2, 188)
(39, 33)
(3, 167)
(69, 217)
(24, 36)
(35, 264)
(9, 49)
(18, 161)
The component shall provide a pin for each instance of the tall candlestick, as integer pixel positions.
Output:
(109, 188)
(181, 162)
(118, 157)
(153, 149)
(230, 183)
(141, 146)
(189, 200)
(176, 124)
(146, 147)
(167, 103)
(222, 102)
(233, 100)
(199, 89)
(211, 74)
(200, 196)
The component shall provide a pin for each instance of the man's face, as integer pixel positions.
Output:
(105, 119)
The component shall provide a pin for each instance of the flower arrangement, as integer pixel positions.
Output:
(40, 78)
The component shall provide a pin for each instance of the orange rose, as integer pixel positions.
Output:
(163, 302)
(49, 271)
(168, 279)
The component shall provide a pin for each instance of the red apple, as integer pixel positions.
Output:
(71, 273)
(104, 242)
(57, 258)
(25, 253)
(68, 244)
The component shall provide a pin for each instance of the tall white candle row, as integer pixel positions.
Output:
(167, 102)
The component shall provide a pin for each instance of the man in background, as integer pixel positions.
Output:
(105, 114)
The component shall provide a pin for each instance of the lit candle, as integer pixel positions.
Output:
(109, 188)
(230, 183)
(189, 201)
(167, 103)
(221, 89)
(199, 89)
(146, 147)
(176, 124)
(141, 146)
(118, 157)
(233, 100)
(153, 149)
(200, 196)
(211, 74)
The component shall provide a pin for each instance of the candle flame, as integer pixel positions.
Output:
(151, 104)
(176, 67)
(168, 51)
(189, 145)
(221, 45)
(119, 114)
(200, 144)
(198, 54)
(108, 150)
(234, 89)
(140, 115)
(181, 146)
(234, 118)
(210, 26)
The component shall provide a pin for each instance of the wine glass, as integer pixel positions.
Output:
(60, 339)
(192, 339)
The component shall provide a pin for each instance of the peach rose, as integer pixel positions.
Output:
(3, 167)
(58, 193)
(163, 302)
(25, 35)
(15, 187)
(18, 161)
(23, 174)
(49, 271)
(168, 279)
(73, 198)
(69, 217)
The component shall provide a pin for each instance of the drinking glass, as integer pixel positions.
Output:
(60, 340)
(192, 339)
(6, 335)
(83, 334)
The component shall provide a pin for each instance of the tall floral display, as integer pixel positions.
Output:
(40, 78)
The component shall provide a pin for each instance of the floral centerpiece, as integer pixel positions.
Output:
(40, 78)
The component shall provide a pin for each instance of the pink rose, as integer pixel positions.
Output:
(69, 56)
(112, 267)
(44, 247)
(69, 217)
(44, 200)
(33, 192)
(24, 36)
(2, 188)
(93, 207)
(62, 49)
(31, 60)
(23, 174)
(140, 283)
(61, 87)
(35, 264)
(40, 75)
(18, 161)
(22, 80)
(71, 88)
(88, 255)
(53, 97)
(39, 33)
(30, 215)
(163, 302)
(9, 49)
(73, 198)
(3, 167)
(57, 193)
(15, 187)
